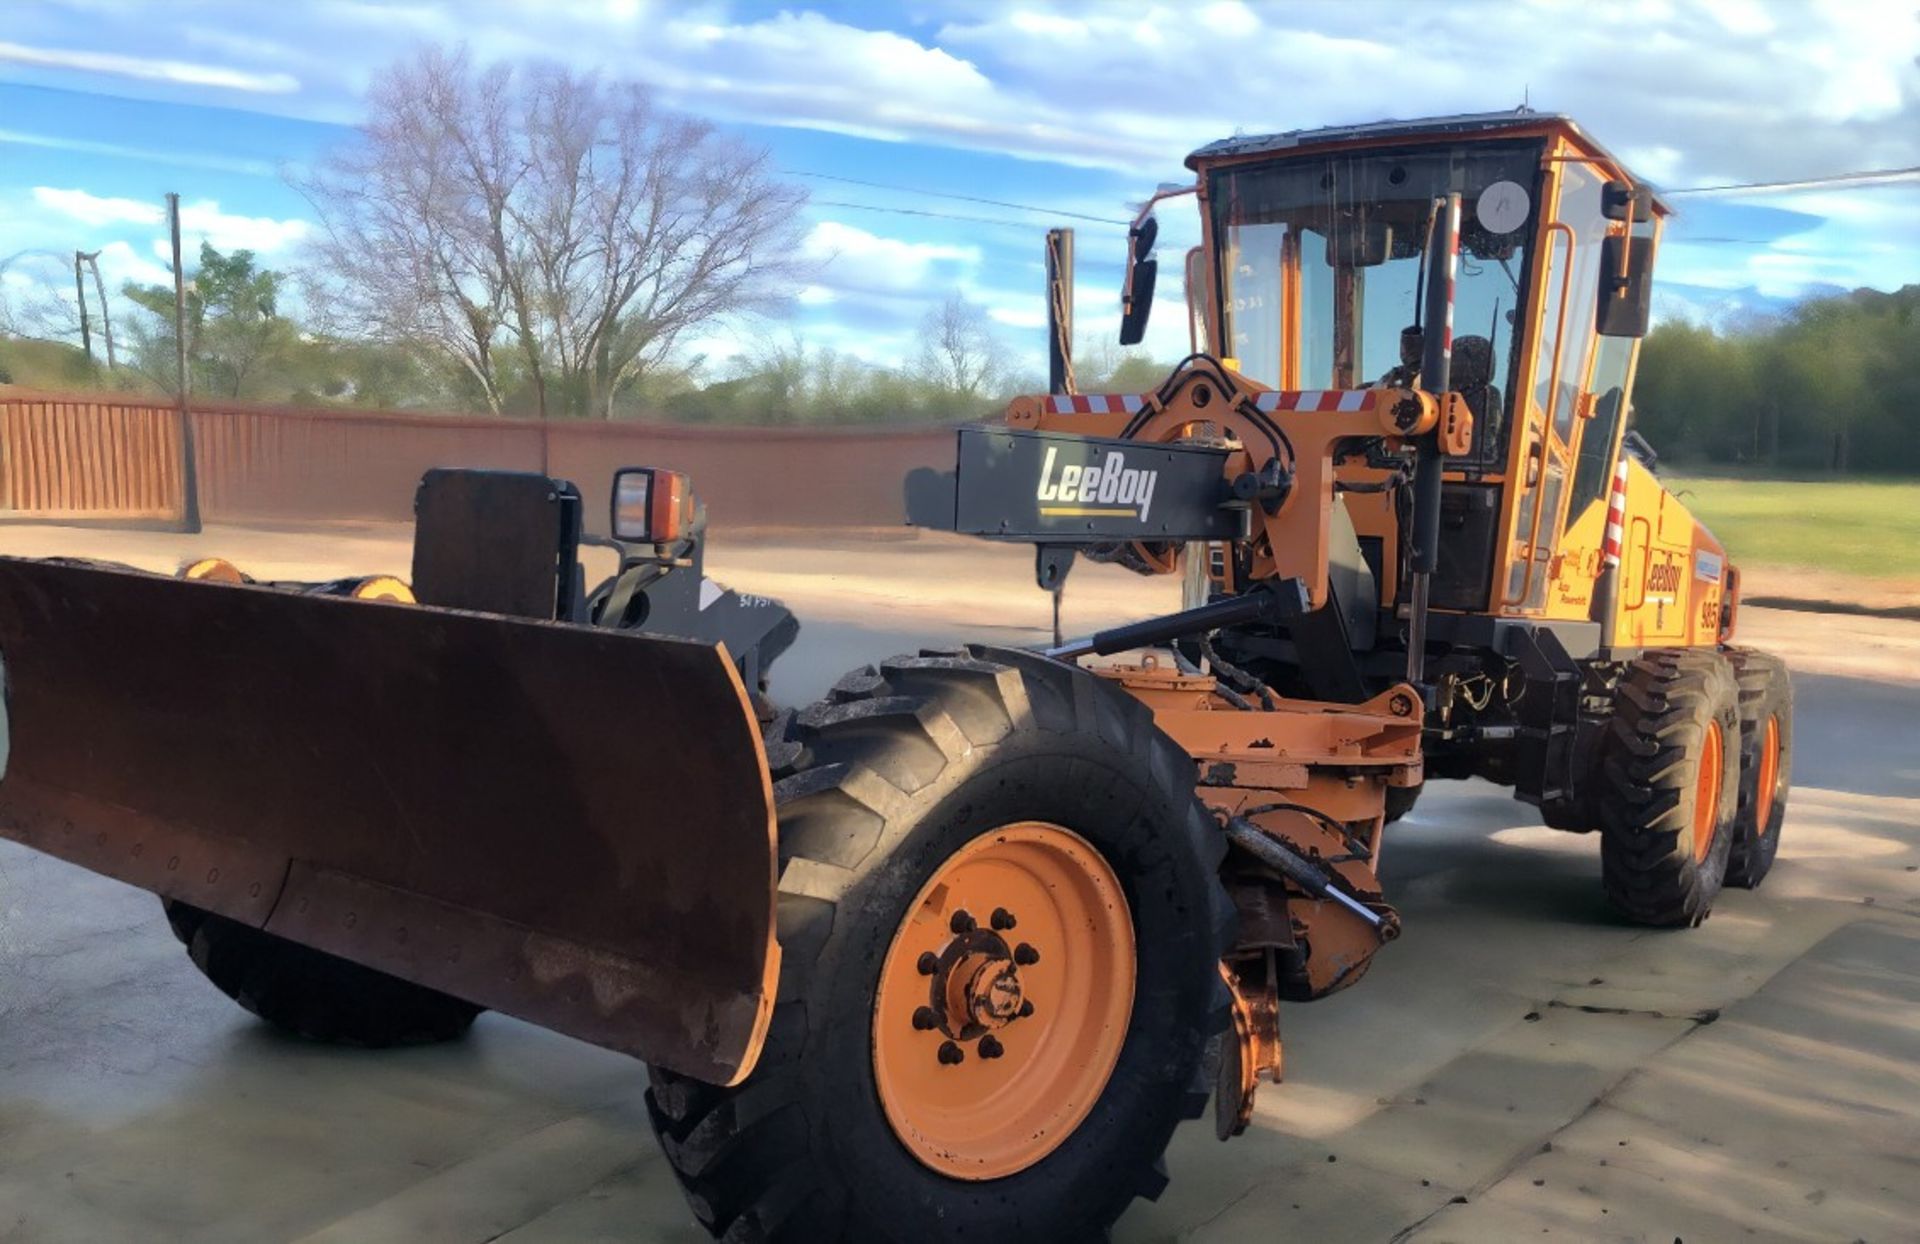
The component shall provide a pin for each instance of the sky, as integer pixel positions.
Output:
(1077, 109)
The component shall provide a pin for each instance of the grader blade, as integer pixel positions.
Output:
(570, 825)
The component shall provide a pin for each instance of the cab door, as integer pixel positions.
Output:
(1576, 403)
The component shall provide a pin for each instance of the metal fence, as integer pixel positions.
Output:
(99, 458)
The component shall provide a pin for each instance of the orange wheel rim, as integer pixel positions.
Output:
(1706, 791)
(1769, 776)
(213, 569)
(1003, 1003)
(384, 587)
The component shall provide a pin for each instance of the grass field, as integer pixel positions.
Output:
(1871, 529)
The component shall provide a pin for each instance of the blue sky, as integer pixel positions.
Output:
(1077, 107)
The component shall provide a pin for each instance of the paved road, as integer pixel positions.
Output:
(1518, 1064)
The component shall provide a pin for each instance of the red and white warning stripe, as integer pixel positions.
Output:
(1095, 403)
(1452, 219)
(1616, 514)
(1321, 400)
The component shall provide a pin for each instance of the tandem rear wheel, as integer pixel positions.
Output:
(1766, 763)
(1002, 922)
(1669, 786)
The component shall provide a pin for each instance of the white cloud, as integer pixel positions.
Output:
(182, 73)
(187, 159)
(92, 209)
(202, 219)
(850, 258)
(228, 231)
(120, 264)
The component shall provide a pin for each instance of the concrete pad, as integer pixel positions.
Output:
(1795, 1116)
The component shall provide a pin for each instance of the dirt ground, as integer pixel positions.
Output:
(1519, 1064)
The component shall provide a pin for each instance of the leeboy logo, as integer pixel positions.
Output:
(1105, 490)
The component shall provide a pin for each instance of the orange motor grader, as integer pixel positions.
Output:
(950, 954)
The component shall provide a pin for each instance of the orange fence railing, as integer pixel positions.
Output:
(89, 457)
(86, 459)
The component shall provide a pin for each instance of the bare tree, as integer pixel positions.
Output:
(553, 216)
(959, 353)
(38, 307)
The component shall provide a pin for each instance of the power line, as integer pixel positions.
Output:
(964, 198)
(1864, 178)
(915, 211)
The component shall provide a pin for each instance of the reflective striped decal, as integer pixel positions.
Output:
(1095, 403)
(1616, 514)
(1317, 400)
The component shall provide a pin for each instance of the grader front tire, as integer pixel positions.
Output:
(1670, 786)
(312, 994)
(1002, 922)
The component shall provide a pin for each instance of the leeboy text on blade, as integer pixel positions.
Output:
(1113, 486)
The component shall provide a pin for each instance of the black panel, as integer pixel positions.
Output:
(1059, 488)
(1469, 526)
(503, 542)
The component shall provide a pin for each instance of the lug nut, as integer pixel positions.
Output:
(924, 1019)
(962, 922)
(951, 1055)
(990, 1047)
(928, 963)
(1026, 1009)
(1025, 955)
(1003, 919)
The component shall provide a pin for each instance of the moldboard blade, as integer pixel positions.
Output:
(567, 824)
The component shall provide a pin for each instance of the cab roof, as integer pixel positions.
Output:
(1466, 124)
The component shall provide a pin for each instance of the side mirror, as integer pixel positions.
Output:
(1622, 200)
(1626, 302)
(1138, 304)
(1136, 296)
(651, 505)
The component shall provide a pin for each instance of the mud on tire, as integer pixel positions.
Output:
(876, 787)
(312, 994)
(1766, 695)
(1664, 834)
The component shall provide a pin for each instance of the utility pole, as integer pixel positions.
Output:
(189, 470)
(80, 292)
(1060, 311)
(106, 314)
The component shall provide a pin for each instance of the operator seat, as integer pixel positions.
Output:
(1473, 378)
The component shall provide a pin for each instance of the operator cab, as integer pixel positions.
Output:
(1318, 240)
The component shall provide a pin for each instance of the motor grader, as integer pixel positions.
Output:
(950, 954)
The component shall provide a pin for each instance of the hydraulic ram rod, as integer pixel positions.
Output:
(1262, 604)
(1296, 868)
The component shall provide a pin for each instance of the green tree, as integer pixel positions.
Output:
(238, 345)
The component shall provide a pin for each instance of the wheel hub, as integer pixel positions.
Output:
(991, 1046)
(984, 991)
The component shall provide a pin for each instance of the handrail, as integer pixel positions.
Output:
(1546, 422)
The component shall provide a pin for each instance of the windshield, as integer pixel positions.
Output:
(1321, 270)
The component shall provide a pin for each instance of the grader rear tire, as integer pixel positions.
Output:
(1400, 800)
(1002, 923)
(1766, 763)
(1670, 786)
(312, 994)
